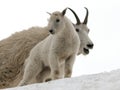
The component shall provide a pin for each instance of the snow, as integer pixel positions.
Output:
(101, 81)
(103, 22)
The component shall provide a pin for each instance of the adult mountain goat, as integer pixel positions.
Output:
(53, 51)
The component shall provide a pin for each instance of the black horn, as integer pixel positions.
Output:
(86, 17)
(64, 11)
(77, 18)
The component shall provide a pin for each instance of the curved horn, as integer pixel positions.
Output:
(86, 17)
(64, 11)
(77, 18)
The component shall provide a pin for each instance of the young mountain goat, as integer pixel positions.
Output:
(15, 49)
(53, 51)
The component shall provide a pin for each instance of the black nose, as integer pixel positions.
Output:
(90, 46)
(51, 31)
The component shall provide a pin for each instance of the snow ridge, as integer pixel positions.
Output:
(101, 81)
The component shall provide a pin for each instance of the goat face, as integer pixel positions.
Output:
(86, 43)
(56, 22)
(82, 30)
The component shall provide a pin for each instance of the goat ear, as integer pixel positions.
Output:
(49, 13)
(64, 11)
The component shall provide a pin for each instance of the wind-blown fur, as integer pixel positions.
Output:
(15, 49)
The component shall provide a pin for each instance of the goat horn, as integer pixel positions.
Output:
(86, 17)
(48, 13)
(77, 18)
(64, 11)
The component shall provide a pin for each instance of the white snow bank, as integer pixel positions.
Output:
(101, 81)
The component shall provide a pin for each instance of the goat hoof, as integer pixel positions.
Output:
(47, 80)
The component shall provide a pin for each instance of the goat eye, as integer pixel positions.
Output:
(57, 20)
(77, 29)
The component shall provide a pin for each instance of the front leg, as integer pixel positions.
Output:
(54, 66)
(44, 76)
(69, 65)
(62, 69)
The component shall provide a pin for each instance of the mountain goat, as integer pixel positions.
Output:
(83, 30)
(53, 51)
(86, 44)
(15, 49)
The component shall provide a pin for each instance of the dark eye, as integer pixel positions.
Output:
(57, 20)
(77, 29)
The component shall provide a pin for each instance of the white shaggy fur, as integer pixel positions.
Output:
(13, 52)
(86, 44)
(56, 51)
(15, 49)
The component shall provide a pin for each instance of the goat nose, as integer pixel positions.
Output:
(51, 31)
(90, 46)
